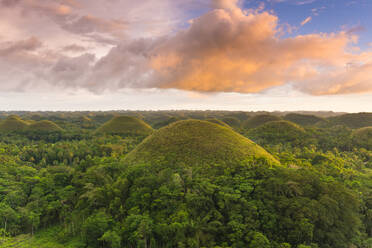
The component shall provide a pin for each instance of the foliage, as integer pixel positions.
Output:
(190, 184)
(363, 137)
(357, 120)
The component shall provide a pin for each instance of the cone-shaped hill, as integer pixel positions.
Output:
(44, 126)
(277, 132)
(219, 122)
(356, 120)
(363, 137)
(127, 125)
(195, 142)
(164, 123)
(232, 122)
(259, 120)
(303, 120)
(13, 123)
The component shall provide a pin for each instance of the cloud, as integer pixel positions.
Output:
(74, 48)
(227, 49)
(30, 44)
(68, 16)
(9, 3)
(67, 71)
(348, 80)
(225, 4)
(295, 2)
(90, 24)
(307, 20)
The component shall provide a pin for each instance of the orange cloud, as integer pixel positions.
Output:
(348, 80)
(307, 20)
(228, 50)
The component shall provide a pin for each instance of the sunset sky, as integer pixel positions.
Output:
(186, 54)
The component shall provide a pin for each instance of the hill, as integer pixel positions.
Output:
(277, 132)
(13, 123)
(232, 122)
(127, 125)
(259, 120)
(217, 121)
(363, 137)
(166, 122)
(44, 126)
(355, 121)
(303, 120)
(195, 142)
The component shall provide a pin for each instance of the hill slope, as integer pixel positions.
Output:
(303, 120)
(128, 125)
(195, 142)
(259, 120)
(277, 132)
(44, 126)
(232, 122)
(217, 121)
(363, 137)
(357, 120)
(13, 124)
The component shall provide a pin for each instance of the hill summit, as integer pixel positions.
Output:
(13, 123)
(217, 121)
(363, 137)
(127, 125)
(195, 142)
(303, 120)
(259, 120)
(277, 132)
(44, 126)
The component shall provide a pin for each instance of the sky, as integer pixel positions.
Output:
(251, 55)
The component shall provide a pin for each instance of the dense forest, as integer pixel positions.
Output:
(185, 179)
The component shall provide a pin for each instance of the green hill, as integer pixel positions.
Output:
(357, 120)
(44, 126)
(259, 120)
(127, 125)
(303, 120)
(195, 142)
(232, 122)
(363, 137)
(217, 121)
(277, 132)
(166, 122)
(13, 123)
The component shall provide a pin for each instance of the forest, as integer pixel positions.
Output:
(219, 179)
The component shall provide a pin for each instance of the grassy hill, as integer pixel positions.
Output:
(217, 121)
(232, 122)
(363, 137)
(259, 120)
(13, 123)
(357, 120)
(44, 126)
(127, 125)
(195, 142)
(166, 122)
(277, 132)
(303, 120)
